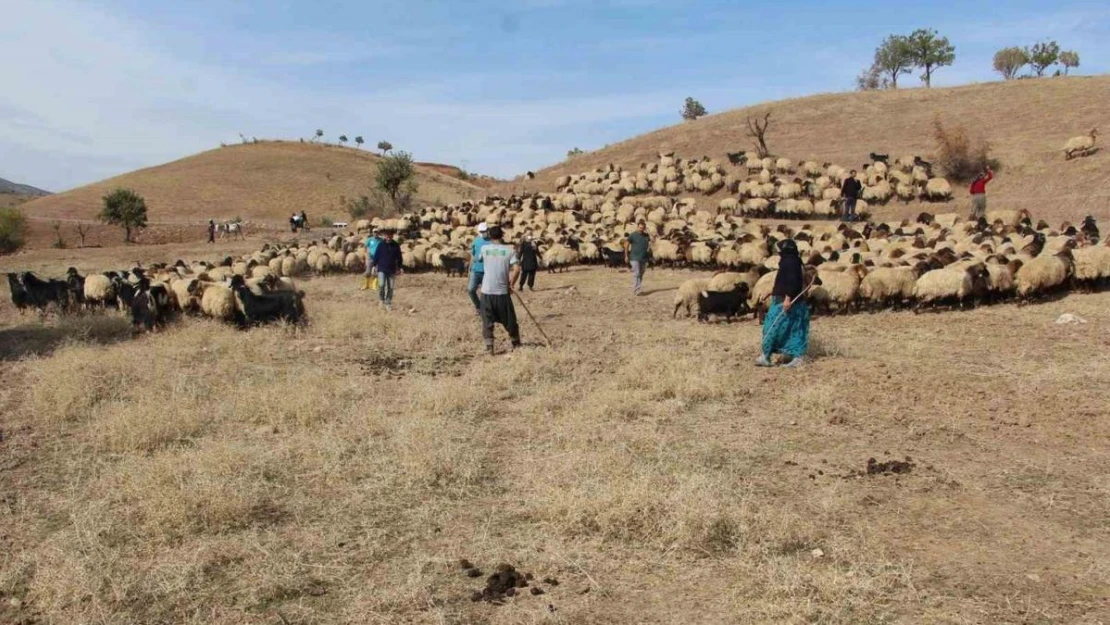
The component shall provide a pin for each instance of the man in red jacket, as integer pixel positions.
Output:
(979, 193)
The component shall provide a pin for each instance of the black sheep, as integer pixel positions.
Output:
(268, 307)
(150, 307)
(41, 293)
(728, 303)
(454, 265)
(20, 297)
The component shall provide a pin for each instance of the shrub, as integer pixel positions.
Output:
(571, 153)
(961, 156)
(693, 109)
(13, 230)
(1009, 61)
(1069, 59)
(326, 222)
(385, 146)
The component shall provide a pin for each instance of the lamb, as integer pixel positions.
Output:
(1044, 274)
(1080, 146)
(687, 295)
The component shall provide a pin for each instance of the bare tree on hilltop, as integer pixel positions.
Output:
(757, 132)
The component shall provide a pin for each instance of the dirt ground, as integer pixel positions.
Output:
(936, 468)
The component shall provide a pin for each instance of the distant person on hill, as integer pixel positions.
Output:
(304, 221)
(388, 262)
(501, 269)
(371, 278)
(211, 231)
(477, 269)
(528, 253)
(637, 248)
(850, 191)
(979, 193)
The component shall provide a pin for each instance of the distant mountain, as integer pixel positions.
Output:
(20, 189)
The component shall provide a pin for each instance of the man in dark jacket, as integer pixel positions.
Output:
(850, 191)
(528, 253)
(211, 231)
(387, 262)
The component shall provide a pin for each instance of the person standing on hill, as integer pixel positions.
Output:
(388, 262)
(476, 267)
(211, 231)
(528, 253)
(850, 191)
(979, 193)
(637, 247)
(371, 278)
(501, 269)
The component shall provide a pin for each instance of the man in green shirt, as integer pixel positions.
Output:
(636, 252)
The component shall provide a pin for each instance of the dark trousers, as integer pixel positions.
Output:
(499, 309)
(528, 276)
(849, 208)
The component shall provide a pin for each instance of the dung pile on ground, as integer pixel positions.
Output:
(506, 582)
(385, 365)
(874, 467)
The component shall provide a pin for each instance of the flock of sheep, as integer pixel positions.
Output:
(156, 295)
(768, 187)
(937, 261)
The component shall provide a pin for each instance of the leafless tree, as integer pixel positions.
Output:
(757, 132)
(82, 231)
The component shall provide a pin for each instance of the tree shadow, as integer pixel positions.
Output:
(42, 339)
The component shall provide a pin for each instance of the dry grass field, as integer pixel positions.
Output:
(263, 183)
(1027, 122)
(337, 474)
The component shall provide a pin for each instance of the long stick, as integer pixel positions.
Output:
(784, 313)
(530, 316)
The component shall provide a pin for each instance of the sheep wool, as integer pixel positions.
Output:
(687, 295)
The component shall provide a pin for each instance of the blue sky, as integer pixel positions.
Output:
(94, 88)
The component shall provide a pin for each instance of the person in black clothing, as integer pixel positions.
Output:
(388, 261)
(786, 327)
(850, 191)
(211, 231)
(528, 253)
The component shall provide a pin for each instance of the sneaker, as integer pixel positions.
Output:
(762, 361)
(795, 363)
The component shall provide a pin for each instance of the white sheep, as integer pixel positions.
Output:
(937, 190)
(1043, 274)
(687, 295)
(1080, 146)
(99, 290)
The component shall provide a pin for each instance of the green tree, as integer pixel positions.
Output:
(319, 133)
(342, 139)
(893, 58)
(385, 146)
(930, 51)
(1009, 61)
(571, 153)
(13, 230)
(359, 141)
(395, 177)
(693, 110)
(1043, 55)
(124, 208)
(1069, 59)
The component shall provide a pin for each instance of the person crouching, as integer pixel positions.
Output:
(501, 269)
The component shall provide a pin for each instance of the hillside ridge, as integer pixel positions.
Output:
(1027, 123)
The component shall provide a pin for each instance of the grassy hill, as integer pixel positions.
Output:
(14, 194)
(1027, 122)
(262, 182)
